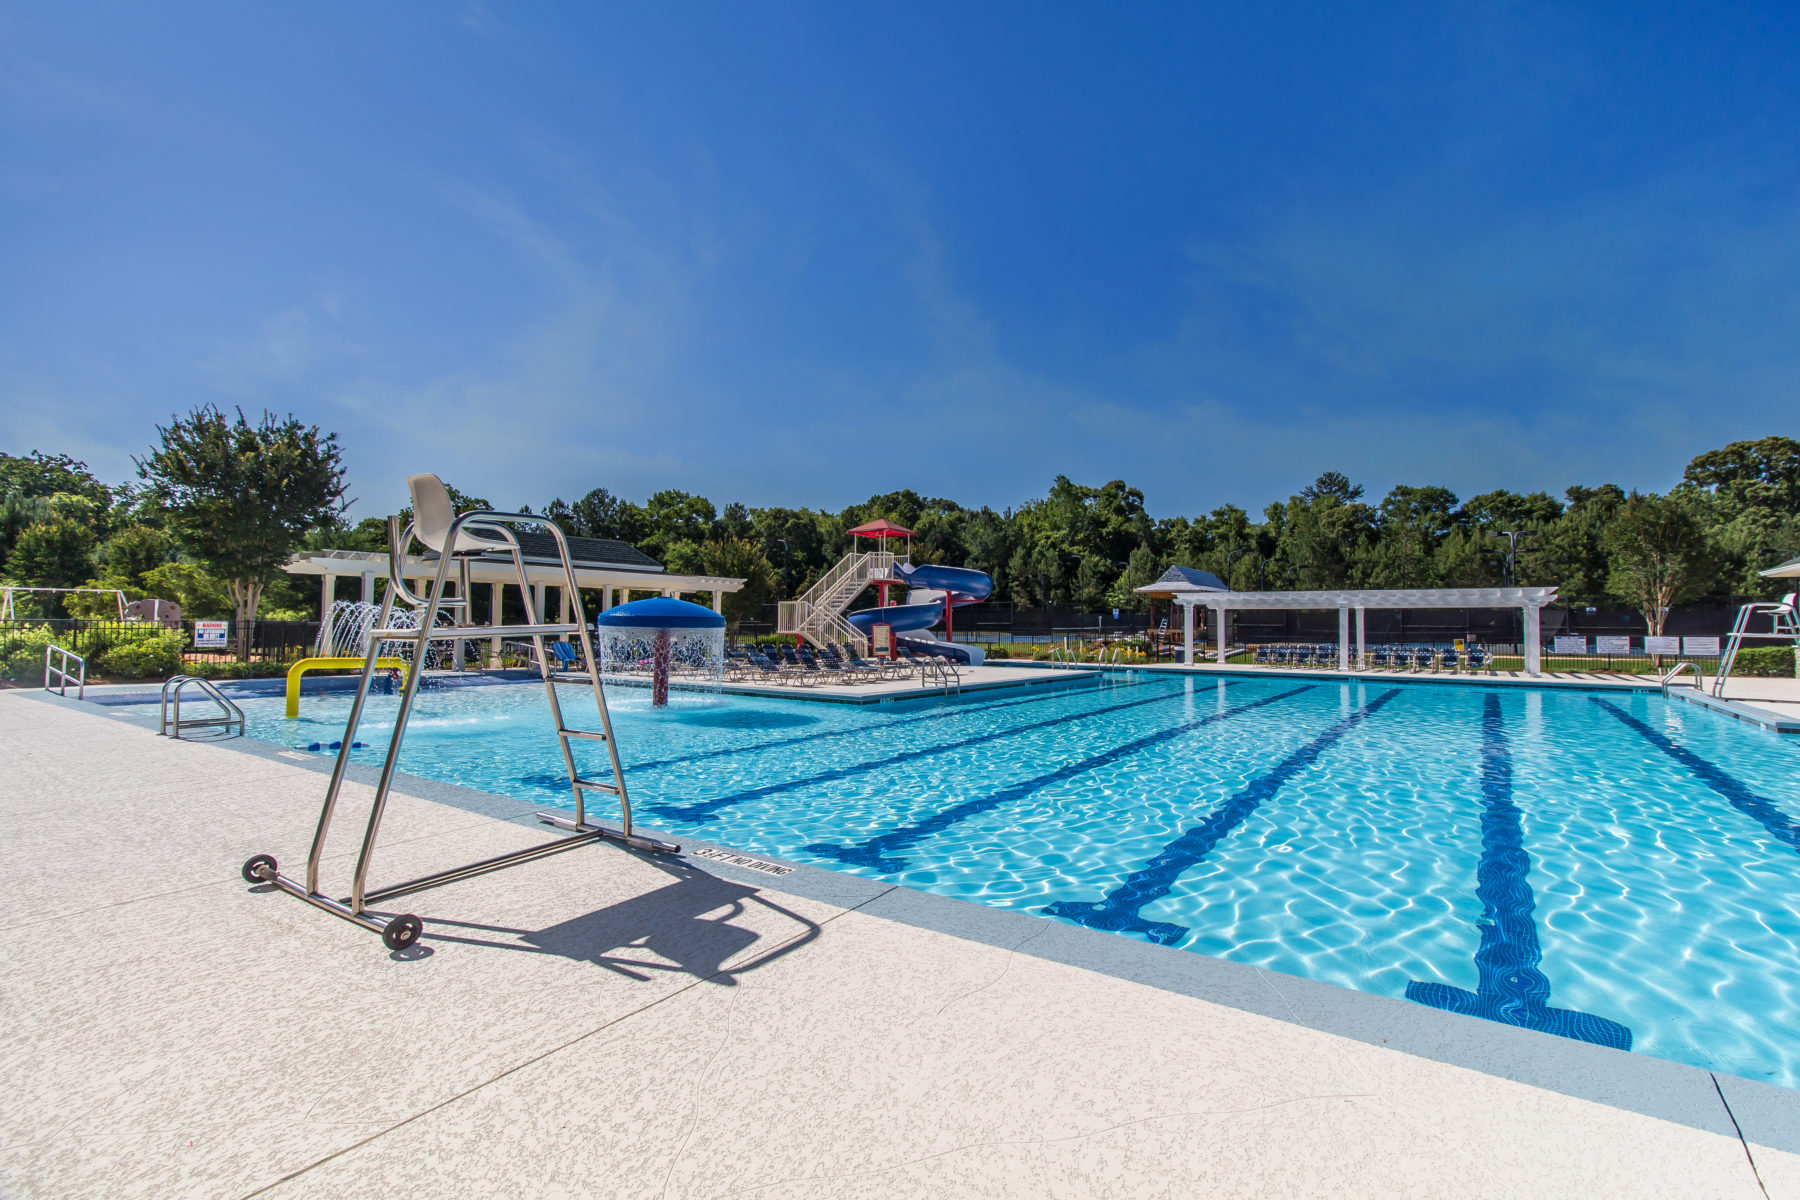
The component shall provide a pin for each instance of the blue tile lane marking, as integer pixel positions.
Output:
(1118, 912)
(957, 710)
(874, 852)
(1511, 989)
(706, 810)
(1737, 793)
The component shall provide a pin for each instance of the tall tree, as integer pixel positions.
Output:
(1659, 555)
(241, 497)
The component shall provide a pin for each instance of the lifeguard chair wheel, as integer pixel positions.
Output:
(259, 868)
(402, 932)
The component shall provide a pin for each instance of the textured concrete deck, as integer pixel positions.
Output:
(603, 1024)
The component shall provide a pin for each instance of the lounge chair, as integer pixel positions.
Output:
(565, 657)
(847, 657)
(878, 668)
(826, 671)
(1449, 660)
(773, 672)
(1479, 659)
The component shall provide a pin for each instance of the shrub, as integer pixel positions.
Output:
(1766, 661)
(156, 656)
(229, 669)
(22, 652)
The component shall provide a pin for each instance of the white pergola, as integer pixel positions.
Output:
(1530, 601)
(499, 573)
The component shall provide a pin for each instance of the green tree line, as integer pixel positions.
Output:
(1732, 512)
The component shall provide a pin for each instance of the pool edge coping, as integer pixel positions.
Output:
(1756, 1112)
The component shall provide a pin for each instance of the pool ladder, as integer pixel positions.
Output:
(229, 713)
(451, 536)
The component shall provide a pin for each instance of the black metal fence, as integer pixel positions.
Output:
(270, 641)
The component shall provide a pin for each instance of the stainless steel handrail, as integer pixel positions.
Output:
(61, 671)
(231, 714)
(1670, 676)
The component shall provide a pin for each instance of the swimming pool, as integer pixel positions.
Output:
(1612, 867)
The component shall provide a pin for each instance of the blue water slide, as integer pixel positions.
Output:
(903, 617)
(964, 585)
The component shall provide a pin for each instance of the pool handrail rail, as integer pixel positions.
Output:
(61, 671)
(171, 692)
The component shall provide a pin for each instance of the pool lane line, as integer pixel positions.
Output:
(705, 810)
(1511, 988)
(1736, 792)
(1117, 912)
(561, 781)
(873, 853)
(956, 710)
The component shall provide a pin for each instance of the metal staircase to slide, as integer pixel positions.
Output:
(818, 614)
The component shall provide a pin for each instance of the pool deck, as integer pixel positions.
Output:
(603, 1023)
(970, 679)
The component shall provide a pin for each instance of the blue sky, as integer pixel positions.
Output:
(797, 254)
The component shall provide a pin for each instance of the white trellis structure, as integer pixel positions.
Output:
(1352, 606)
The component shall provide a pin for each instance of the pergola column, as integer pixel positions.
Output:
(1344, 637)
(1362, 657)
(537, 602)
(368, 587)
(1187, 632)
(1224, 621)
(496, 598)
(327, 597)
(1533, 635)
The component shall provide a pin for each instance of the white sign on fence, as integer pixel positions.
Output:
(1612, 645)
(1701, 646)
(212, 635)
(1662, 645)
(1570, 645)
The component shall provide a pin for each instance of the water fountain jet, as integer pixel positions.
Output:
(659, 638)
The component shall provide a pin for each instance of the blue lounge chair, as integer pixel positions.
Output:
(1479, 659)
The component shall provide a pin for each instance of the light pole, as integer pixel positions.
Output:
(1232, 557)
(1512, 537)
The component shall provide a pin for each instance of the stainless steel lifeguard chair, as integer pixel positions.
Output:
(452, 536)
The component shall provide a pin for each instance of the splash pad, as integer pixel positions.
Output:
(659, 639)
(346, 633)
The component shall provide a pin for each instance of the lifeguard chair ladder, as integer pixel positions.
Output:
(437, 524)
(1784, 626)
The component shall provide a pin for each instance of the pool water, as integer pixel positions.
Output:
(1612, 867)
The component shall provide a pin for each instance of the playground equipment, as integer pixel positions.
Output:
(9, 613)
(450, 534)
(659, 635)
(335, 663)
(934, 593)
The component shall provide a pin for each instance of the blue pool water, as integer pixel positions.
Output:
(1611, 867)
